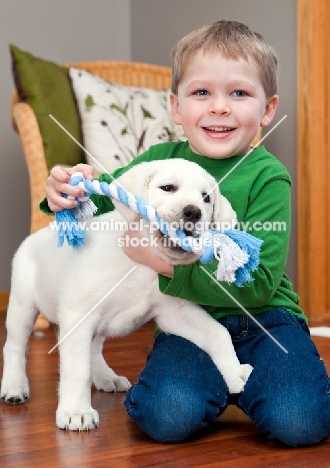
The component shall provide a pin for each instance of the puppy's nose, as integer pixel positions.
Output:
(191, 214)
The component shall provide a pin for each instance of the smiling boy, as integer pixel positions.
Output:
(228, 110)
(224, 87)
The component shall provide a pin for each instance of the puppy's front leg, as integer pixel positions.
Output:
(190, 321)
(74, 410)
(21, 315)
(104, 378)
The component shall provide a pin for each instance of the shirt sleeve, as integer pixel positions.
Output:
(268, 218)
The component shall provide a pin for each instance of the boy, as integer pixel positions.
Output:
(224, 87)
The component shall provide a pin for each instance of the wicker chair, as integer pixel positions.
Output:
(25, 123)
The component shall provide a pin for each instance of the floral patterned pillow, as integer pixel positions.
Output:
(120, 122)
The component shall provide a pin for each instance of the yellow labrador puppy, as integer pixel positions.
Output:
(66, 284)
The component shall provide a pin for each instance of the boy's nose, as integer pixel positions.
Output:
(220, 106)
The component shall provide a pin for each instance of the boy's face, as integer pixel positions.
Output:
(221, 104)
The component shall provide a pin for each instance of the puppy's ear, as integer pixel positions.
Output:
(223, 212)
(135, 181)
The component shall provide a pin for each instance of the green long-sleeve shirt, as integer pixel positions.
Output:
(259, 189)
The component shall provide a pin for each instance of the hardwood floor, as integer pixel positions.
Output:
(29, 438)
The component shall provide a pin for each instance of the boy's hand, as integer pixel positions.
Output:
(57, 183)
(139, 252)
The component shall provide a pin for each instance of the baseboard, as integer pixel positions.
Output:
(4, 297)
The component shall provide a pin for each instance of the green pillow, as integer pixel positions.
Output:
(46, 87)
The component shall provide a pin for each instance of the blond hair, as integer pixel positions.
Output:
(234, 40)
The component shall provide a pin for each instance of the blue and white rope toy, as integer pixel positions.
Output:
(237, 252)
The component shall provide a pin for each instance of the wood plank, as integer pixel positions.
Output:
(312, 156)
(4, 297)
(328, 153)
(29, 438)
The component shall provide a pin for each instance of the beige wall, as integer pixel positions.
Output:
(141, 30)
(169, 20)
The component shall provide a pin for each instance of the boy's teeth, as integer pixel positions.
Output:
(215, 129)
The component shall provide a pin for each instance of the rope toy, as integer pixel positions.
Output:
(237, 252)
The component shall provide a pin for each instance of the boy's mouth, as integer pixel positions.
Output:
(219, 129)
(218, 133)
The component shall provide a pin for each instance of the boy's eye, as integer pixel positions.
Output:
(201, 92)
(206, 197)
(240, 93)
(168, 188)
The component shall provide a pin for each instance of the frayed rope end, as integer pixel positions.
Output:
(85, 209)
(238, 257)
(68, 228)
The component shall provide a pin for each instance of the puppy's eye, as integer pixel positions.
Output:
(206, 197)
(168, 188)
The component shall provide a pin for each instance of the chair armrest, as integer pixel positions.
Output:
(25, 123)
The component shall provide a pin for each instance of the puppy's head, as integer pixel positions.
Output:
(184, 195)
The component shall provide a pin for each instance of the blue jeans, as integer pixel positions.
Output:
(180, 391)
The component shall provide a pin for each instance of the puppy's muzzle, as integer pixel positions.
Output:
(190, 215)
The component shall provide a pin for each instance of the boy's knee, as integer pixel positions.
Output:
(168, 413)
(295, 426)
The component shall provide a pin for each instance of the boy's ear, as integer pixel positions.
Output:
(176, 115)
(270, 110)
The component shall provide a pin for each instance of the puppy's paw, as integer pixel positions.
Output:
(245, 371)
(15, 391)
(77, 420)
(115, 383)
(105, 379)
(237, 380)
